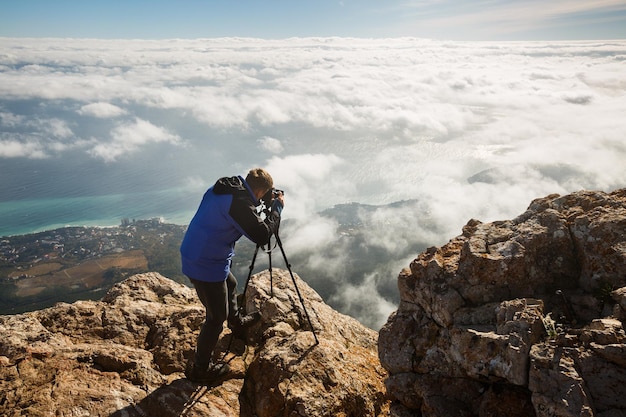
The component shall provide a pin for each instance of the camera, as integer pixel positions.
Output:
(271, 195)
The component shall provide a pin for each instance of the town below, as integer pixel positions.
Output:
(71, 263)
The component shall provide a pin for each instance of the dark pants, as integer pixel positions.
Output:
(220, 301)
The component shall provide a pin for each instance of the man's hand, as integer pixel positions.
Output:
(280, 196)
(278, 202)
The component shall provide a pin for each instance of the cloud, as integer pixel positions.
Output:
(10, 148)
(195, 184)
(270, 144)
(305, 179)
(362, 302)
(128, 138)
(35, 137)
(101, 110)
(44, 126)
(56, 127)
(310, 234)
(10, 120)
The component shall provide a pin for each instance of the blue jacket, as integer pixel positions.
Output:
(227, 211)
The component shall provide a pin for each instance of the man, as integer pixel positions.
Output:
(228, 211)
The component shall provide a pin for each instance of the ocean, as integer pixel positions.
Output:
(30, 216)
(40, 195)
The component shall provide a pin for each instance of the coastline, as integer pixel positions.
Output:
(26, 217)
(23, 230)
(34, 215)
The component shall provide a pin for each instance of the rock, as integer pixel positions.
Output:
(124, 356)
(341, 376)
(527, 311)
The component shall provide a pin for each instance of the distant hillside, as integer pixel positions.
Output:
(351, 214)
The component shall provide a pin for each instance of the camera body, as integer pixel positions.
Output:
(270, 196)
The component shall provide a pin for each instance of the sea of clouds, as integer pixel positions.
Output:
(460, 130)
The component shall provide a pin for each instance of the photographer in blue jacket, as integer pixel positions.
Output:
(229, 210)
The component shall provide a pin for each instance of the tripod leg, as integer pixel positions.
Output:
(306, 313)
(269, 254)
(256, 251)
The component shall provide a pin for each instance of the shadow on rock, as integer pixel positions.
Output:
(182, 397)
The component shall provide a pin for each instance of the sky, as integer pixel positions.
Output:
(432, 19)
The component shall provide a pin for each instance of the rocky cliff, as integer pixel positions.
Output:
(125, 356)
(516, 318)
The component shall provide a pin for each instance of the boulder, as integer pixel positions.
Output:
(517, 317)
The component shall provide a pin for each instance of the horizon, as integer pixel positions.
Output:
(500, 20)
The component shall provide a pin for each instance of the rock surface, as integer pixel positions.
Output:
(125, 356)
(516, 318)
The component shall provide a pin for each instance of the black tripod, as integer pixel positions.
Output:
(293, 279)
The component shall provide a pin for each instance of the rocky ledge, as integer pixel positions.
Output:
(516, 318)
(125, 356)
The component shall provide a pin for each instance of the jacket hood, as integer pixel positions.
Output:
(234, 185)
(229, 185)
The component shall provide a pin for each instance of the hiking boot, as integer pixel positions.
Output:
(239, 323)
(213, 373)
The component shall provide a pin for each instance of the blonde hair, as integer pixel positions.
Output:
(259, 180)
